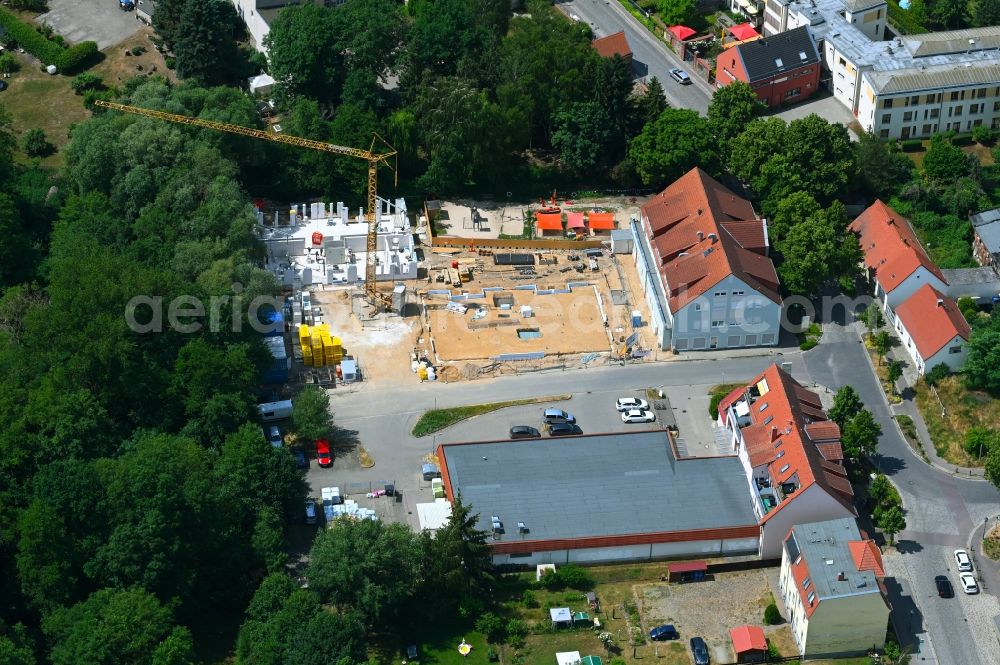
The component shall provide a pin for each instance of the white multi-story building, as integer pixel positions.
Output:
(257, 15)
(899, 87)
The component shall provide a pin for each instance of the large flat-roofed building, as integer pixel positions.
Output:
(909, 86)
(603, 497)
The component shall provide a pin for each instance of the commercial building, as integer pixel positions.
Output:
(321, 244)
(605, 497)
(986, 238)
(896, 262)
(790, 453)
(702, 257)
(829, 582)
(780, 69)
(899, 86)
(932, 330)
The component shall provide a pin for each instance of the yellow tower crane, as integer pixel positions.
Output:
(377, 300)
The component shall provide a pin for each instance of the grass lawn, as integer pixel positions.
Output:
(983, 153)
(436, 420)
(963, 409)
(991, 546)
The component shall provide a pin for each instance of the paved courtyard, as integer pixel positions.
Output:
(101, 21)
(825, 106)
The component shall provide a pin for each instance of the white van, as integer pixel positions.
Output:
(271, 411)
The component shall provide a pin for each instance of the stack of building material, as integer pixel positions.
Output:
(305, 342)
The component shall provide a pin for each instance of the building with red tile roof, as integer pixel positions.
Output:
(897, 263)
(791, 455)
(612, 45)
(749, 644)
(932, 329)
(830, 583)
(702, 256)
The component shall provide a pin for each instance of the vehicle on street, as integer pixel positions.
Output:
(638, 416)
(558, 416)
(3, 85)
(323, 455)
(301, 461)
(664, 632)
(969, 584)
(524, 432)
(629, 403)
(126, 5)
(963, 561)
(944, 587)
(564, 429)
(680, 76)
(699, 650)
(310, 511)
(274, 436)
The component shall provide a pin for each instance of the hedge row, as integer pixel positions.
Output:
(67, 60)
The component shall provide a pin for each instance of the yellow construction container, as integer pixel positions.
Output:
(305, 341)
(317, 347)
(338, 350)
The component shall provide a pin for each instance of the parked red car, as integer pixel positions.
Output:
(323, 455)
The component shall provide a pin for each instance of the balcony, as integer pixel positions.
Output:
(767, 498)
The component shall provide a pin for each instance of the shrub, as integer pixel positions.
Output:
(517, 630)
(912, 145)
(804, 346)
(49, 52)
(528, 599)
(79, 57)
(982, 134)
(8, 64)
(962, 139)
(574, 577)
(491, 626)
(936, 374)
(86, 81)
(138, 50)
(772, 617)
(170, 61)
(35, 144)
(29, 5)
(891, 651)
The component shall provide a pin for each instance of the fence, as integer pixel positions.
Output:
(473, 244)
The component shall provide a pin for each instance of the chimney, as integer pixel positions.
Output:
(774, 433)
(700, 211)
(842, 577)
(701, 234)
(940, 303)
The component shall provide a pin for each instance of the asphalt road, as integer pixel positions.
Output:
(941, 513)
(650, 57)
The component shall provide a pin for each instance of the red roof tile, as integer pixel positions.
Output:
(612, 45)
(832, 452)
(823, 430)
(748, 638)
(700, 218)
(890, 246)
(867, 556)
(930, 325)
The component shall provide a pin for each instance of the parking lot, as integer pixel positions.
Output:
(101, 21)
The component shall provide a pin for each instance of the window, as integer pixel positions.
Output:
(843, 63)
(908, 116)
(794, 92)
(718, 324)
(734, 340)
(781, 453)
(886, 104)
(977, 123)
(974, 109)
(886, 118)
(784, 468)
(720, 294)
(935, 113)
(806, 582)
(926, 129)
(752, 339)
(697, 308)
(883, 134)
(779, 443)
(996, 106)
(981, 93)
(929, 99)
(914, 100)
(768, 420)
(812, 597)
(737, 293)
(521, 555)
(954, 96)
(767, 338)
(762, 407)
(955, 349)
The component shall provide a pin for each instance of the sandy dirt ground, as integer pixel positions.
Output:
(708, 608)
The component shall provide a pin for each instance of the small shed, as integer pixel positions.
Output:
(592, 601)
(591, 660)
(581, 619)
(621, 241)
(562, 618)
(568, 658)
(749, 644)
(262, 84)
(687, 571)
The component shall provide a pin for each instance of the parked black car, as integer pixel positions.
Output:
(664, 632)
(564, 429)
(944, 588)
(524, 432)
(700, 651)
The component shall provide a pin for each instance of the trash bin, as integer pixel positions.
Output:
(399, 497)
(390, 490)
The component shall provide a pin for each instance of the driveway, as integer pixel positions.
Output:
(95, 20)
(825, 106)
(941, 513)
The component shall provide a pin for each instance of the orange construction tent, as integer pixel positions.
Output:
(601, 221)
(548, 221)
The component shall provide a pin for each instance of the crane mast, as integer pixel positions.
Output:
(376, 299)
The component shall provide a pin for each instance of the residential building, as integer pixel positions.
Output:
(750, 10)
(702, 257)
(612, 45)
(896, 262)
(791, 455)
(257, 15)
(144, 11)
(830, 583)
(932, 330)
(537, 498)
(986, 238)
(780, 69)
(906, 86)
(321, 244)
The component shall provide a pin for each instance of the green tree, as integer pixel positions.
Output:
(893, 373)
(891, 522)
(35, 144)
(651, 104)
(473, 27)
(872, 317)
(18, 254)
(492, 626)
(458, 564)
(676, 12)
(881, 343)
(582, 136)
(880, 489)
(992, 466)
(881, 168)
(670, 146)
(110, 627)
(860, 435)
(985, 12)
(204, 45)
(790, 211)
(816, 250)
(979, 441)
(945, 162)
(982, 364)
(8, 64)
(302, 60)
(950, 14)
(86, 81)
(167, 19)
(311, 417)
(732, 108)
(368, 566)
(935, 374)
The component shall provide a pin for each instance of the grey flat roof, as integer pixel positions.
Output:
(822, 542)
(954, 41)
(987, 225)
(942, 76)
(597, 485)
(967, 276)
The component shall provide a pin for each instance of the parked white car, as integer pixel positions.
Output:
(629, 403)
(969, 584)
(638, 416)
(963, 561)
